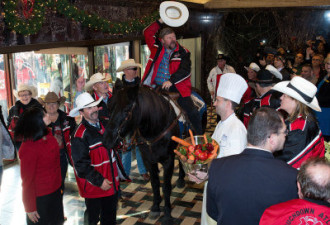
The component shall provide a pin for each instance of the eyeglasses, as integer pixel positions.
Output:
(135, 68)
(26, 95)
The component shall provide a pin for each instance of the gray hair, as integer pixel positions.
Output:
(165, 31)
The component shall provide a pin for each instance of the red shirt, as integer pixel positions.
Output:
(40, 169)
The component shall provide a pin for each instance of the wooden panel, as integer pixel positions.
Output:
(224, 4)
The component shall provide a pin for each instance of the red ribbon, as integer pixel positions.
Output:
(27, 12)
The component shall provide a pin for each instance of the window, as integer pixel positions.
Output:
(109, 57)
(50, 71)
(145, 53)
(3, 88)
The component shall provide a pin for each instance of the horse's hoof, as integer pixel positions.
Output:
(180, 183)
(167, 220)
(154, 215)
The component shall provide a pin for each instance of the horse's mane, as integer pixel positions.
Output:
(155, 112)
(150, 112)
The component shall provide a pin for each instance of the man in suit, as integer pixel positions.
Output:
(241, 187)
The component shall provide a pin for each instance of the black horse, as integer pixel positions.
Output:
(148, 118)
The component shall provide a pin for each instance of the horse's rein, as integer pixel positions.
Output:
(138, 132)
(150, 143)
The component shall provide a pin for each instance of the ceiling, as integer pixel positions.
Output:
(225, 4)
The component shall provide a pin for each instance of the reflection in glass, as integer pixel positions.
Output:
(3, 90)
(145, 53)
(109, 57)
(50, 72)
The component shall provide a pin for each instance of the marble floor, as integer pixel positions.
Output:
(186, 202)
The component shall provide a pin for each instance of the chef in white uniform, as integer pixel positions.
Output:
(230, 132)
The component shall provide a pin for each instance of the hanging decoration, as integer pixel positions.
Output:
(27, 8)
(34, 16)
(20, 23)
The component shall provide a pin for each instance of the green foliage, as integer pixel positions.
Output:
(34, 23)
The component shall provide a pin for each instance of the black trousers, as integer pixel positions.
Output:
(188, 106)
(101, 209)
(50, 209)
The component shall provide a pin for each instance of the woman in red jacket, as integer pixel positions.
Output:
(304, 138)
(40, 169)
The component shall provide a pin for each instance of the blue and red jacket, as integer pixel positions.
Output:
(303, 141)
(180, 64)
(93, 162)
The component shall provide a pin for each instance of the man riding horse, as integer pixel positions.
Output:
(169, 67)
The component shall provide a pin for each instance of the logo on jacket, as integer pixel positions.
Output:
(176, 55)
(309, 220)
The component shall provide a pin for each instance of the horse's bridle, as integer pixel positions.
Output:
(137, 131)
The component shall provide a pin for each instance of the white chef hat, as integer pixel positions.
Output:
(232, 87)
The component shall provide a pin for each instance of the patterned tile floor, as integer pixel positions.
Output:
(186, 202)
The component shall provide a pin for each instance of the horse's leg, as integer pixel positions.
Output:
(168, 166)
(180, 183)
(155, 184)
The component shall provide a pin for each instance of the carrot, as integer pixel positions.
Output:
(192, 137)
(182, 157)
(213, 156)
(205, 138)
(215, 150)
(180, 141)
(213, 142)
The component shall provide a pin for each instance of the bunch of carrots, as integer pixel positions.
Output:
(196, 154)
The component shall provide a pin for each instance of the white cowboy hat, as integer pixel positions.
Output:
(232, 86)
(301, 90)
(84, 100)
(26, 87)
(95, 78)
(174, 14)
(274, 71)
(253, 66)
(128, 63)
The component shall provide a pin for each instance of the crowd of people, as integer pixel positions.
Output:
(284, 108)
(281, 124)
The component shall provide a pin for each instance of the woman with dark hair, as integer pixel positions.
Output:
(62, 126)
(323, 96)
(304, 138)
(26, 99)
(40, 168)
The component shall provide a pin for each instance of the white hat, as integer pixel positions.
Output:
(128, 63)
(232, 86)
(274, 71)
(26, 87)
(95, 78)
(301, 90)
(84, 100)
(174, 14)
(253, 66)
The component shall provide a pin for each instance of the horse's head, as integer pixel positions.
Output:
(122, 110)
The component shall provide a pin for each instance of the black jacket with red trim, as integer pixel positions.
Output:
(64, 126)
(269, 99)
(180, 64)
(93, 162)
(303, 141)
